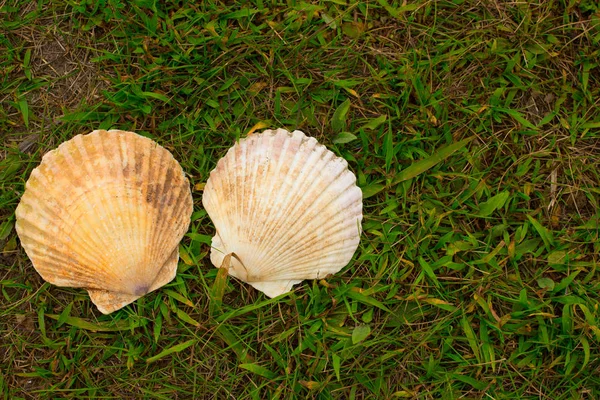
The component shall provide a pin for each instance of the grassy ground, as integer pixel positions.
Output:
(473, 128)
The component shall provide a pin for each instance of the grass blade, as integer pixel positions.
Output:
(360, 333)
(471, 338)
(258, 370)
(423, 165)
(544, 233)
(366, 300)
(338, 122)
(174, 349)
(81, 323)
(493, 203)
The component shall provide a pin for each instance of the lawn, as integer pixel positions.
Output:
(473, 128)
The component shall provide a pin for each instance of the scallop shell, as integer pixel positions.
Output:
(106, 212)
(286, 207)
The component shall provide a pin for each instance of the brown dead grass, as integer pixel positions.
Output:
(61, 61)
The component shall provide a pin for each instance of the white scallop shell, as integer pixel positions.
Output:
(106, 212)
(287, 207)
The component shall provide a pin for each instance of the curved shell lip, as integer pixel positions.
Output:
(213, 194)
(132, 145)
(108, 302)
(49, 154)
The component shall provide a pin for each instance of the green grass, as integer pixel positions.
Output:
(474, 131)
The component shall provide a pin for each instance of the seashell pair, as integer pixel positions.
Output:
(106, 212)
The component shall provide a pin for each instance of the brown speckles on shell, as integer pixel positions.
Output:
(106, 212)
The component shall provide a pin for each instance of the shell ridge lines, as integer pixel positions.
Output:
(264, 197)
(243, 212)
(53, 258)
(78, 142)
(110, 225)
(239, 208)
(177, 197)
(334, 203)
(210, 198)
(281, 191)
(143, 162)
(51, 252)
(159, 200)
(223, 225)
(277, 218)
(227, 198)
(253, 210)
(232, 192)
(47, 212)
(161, 219)
(109, 197)
(340, 245)
(294, 206)
(116, 174)
(327, 229)
(84, 238)
(150, 196)
(252, 215)
(123, 175)
(296, 203)
(164, 274)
